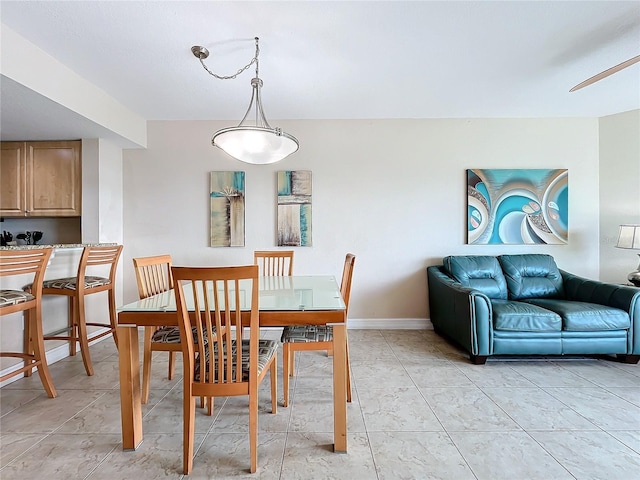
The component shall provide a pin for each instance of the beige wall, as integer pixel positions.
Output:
(391, 191)
(619, 191)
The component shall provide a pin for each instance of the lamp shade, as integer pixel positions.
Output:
(256, 145)
(629, 237)
(253, 141)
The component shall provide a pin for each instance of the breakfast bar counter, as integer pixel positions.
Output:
(57, 246)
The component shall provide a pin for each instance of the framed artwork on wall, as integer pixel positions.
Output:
(226, 194)
(294, 208)
(517, 206)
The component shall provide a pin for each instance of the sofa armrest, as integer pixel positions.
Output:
(461, 313)
(609, 294)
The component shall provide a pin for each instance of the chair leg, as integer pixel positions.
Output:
(172, 365)
(348, 374)
(286, 351)
(292, 363)
(274, 385)
(40, 354)
(82, 328)
(73, 327)
(113, 319)
(253, 427)
(146, 364)
(28, 348)
(207, 402)
(189, 422)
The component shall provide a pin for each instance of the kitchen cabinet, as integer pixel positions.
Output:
(41, 179)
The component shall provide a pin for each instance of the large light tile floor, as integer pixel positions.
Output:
(420, 411)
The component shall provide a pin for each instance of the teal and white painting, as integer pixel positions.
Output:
(517, 206)
(294, 208)
(226, 195)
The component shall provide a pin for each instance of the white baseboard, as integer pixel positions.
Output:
(390, 324)
(54, 355)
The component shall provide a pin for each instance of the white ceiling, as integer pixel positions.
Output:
(332, 60)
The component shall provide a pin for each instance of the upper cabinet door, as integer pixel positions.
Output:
(12, 179)
(41, 179)
(54, 179)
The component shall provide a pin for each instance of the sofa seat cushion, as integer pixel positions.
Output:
(480, 272)
(524, 317)
(585, 317)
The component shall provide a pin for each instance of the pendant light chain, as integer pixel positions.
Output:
(232, 77)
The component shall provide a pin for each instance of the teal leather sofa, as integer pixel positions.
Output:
(524, 304)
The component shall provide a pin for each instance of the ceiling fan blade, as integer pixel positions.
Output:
(606, 73)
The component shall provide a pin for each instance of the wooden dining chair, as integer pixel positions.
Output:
(230, 364)
(153, 275)
(274, 263)
(76, 289)
(315, 337)
(32, 263)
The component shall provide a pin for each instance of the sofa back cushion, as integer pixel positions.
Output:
(479, 272)
(532, 276)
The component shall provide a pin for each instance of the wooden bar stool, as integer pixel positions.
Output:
(76, 288)
(21, 262)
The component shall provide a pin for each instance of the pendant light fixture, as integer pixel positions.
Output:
(253, 140)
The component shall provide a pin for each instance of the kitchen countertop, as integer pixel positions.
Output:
(57, 246)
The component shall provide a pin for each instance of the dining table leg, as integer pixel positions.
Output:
(130, 400)
(340, 388)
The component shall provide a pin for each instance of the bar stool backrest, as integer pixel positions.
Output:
(95, 256)
(24, 262)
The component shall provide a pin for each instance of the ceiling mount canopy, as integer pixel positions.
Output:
(253, 140)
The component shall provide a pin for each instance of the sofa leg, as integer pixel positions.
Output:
(628, 358)
(478, 359)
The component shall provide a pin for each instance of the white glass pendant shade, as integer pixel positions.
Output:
(257, 145)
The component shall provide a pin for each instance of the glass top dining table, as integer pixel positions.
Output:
(294, 293)
(283, 301)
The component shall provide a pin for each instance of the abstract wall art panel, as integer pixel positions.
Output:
(226, 194)
(517, 207)
(294, 208)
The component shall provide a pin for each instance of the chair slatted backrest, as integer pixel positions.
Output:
(153, 274)
(96, 256)
(347, 274)
(25, 262)
(219, 294)
(274, 263)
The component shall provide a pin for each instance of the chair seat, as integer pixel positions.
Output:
(266, 350)
(307, 334)
(70, 283)
(172, 335)
(13, 297)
